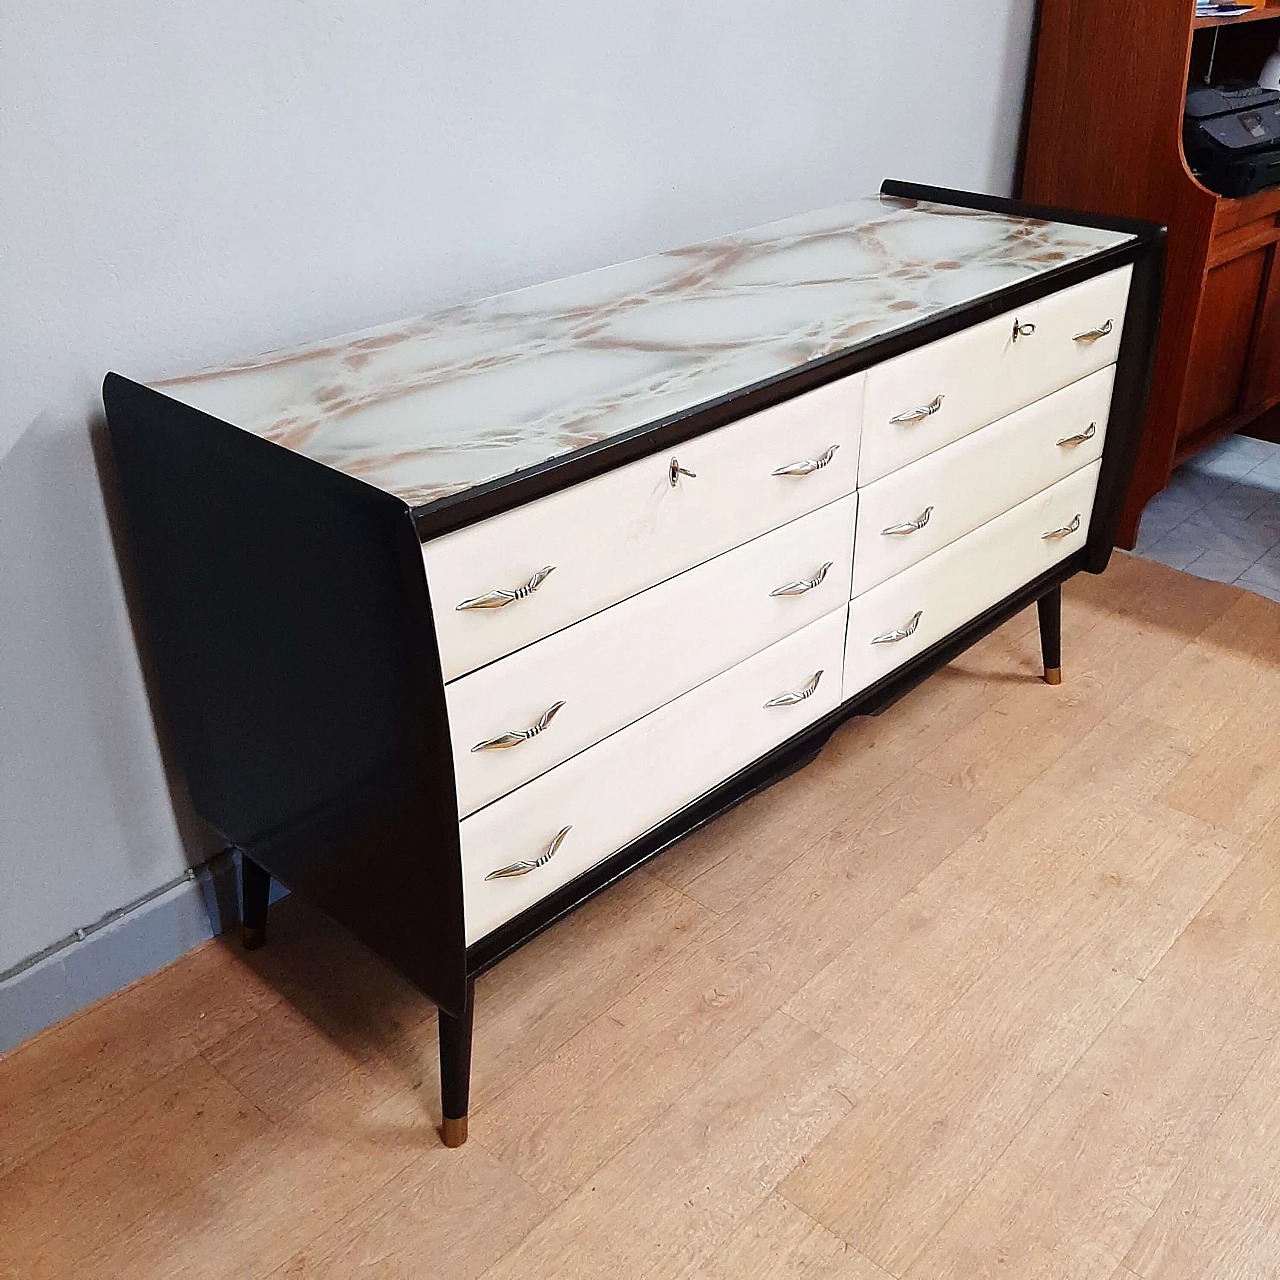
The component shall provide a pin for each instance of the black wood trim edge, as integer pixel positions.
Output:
(1143, 230)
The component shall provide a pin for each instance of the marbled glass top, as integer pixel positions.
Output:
(427, 407)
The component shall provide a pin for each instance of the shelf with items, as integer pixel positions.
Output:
(1262, 13)
(1232, 53)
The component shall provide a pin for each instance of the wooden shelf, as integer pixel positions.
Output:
(1260, 14)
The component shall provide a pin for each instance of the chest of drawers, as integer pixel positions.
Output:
(457, 621)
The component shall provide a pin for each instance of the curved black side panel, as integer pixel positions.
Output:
(296, 657)
(1134, 367)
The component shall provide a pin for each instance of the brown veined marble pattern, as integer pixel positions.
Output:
(430, 406)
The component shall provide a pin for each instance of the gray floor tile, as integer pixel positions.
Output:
(1231, 458)
(1266, 570)
(1242, 499)
(1240, 447)
(1219, 566)
(1193, 488)
(1267, 474)
(1270, 590)
(1154, 526)
(1272, 558)
(1219, 518)
(1227, 466)
(1178, 548)
(1269, 512)
(1246, 539)
(1245, 443)
(1206, 456)
(1173, 506)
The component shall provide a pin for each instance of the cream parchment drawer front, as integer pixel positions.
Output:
(518, 717)
(920, 401)
(519, 849)
(913, 610)
(915, 511)
(508, 581)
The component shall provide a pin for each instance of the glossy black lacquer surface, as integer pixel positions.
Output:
(287, 608)
(455, 1058)
(1049, 611)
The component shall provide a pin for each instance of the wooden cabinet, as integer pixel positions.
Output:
(1215, 385)
(1262, 377)
(1104, 135)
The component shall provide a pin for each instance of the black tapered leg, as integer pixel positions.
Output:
(455, 1070)
(255, 891)
(1049, 606)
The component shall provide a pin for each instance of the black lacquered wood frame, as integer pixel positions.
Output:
(296, 655)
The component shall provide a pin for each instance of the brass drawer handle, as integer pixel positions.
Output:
(1092, 335)
(1065, 530)
(900, 633)
(524, 867)
(501, 598)
(918, 415)
(675, 471)
(1022, 330)
(801, 585)
(793, 696)
(909, 526)
(517, 736)
(807, 466)
(1087, 434)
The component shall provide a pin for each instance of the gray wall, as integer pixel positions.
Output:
(184, 183)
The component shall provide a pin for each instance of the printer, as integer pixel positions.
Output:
(1231, 137)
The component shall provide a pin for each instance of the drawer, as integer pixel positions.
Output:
(913, 610)
(920, 401)
(508, 581)
(913, 512)
(609, 795)
(556, 697)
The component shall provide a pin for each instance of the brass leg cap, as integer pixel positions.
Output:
(252, 939)
(453, 1133)
(1053, 675)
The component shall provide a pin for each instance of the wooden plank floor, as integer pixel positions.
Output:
(991, 988)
